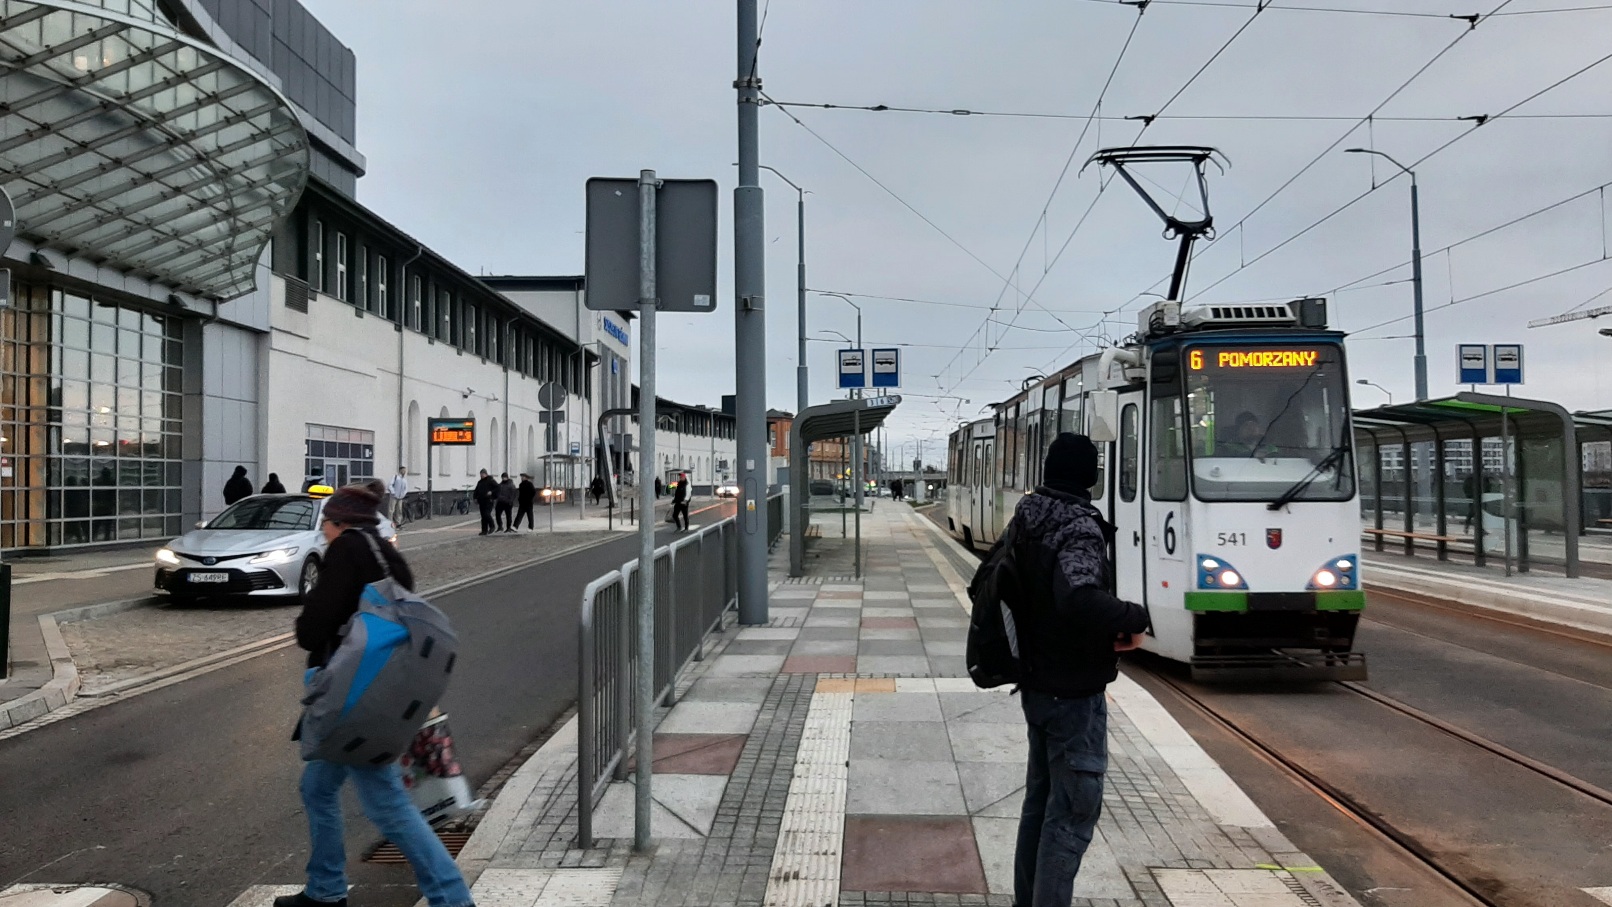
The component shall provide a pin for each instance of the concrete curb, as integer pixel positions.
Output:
(1485, 595)
(499, 819)
(64, 684)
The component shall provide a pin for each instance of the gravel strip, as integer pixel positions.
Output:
(120, 647)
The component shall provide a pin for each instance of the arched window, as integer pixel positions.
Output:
(531, 447)
(445, 453)
(472, 453)
(512, 451)
(414, 449)
(493, 443)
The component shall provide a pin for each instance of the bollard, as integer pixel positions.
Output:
(5, 620)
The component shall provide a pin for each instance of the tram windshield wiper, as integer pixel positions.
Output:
(1331, 460)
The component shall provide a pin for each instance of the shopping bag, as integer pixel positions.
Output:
(432, 776)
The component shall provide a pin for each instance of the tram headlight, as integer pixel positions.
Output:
(1215, 573)
(1338, 573)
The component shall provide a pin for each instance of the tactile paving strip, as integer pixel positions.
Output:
(806, 865)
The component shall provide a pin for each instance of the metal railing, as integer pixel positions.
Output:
(695, 583)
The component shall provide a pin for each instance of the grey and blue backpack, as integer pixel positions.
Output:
(379, 686)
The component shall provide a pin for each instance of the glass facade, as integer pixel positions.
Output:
(91, 415)
(339, 455)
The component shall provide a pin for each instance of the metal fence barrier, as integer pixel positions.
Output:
(695, 583)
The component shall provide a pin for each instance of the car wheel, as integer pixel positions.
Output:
(309, 577)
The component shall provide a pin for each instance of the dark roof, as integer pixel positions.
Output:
(775, 414)
(521, 283)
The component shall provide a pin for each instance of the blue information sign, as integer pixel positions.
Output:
(1473, 359)
(887, 368)
(853, 369)
(1507, 363)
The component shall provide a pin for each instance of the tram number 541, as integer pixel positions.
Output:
(1231, 538)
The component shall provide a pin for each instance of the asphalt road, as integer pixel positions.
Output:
(189, 792)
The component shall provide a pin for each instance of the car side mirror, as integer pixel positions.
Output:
(201, 524)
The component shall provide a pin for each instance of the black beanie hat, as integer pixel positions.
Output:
(353, 505)
(1071, 465)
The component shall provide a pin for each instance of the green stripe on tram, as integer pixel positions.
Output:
(1341, 600)
(1217, 601)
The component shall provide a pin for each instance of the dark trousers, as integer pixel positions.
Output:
(487, 524)
(680, 514)
(1063, 794)
(504, 511)
(525, 511)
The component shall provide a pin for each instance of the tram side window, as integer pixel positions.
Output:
(1167, 457)
(1129, 450)
(1069, 415)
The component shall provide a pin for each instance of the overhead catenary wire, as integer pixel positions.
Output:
(1487, 293)
(1177, 117)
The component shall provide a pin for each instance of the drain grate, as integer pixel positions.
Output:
(387, 853)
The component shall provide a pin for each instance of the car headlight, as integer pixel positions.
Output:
(167, 557)
(1337, 573)
(1216, 573)
(277, 556)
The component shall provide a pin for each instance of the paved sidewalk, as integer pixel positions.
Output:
(1582, 603)
(839, 755)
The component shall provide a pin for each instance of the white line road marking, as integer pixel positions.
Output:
(1604, 895)
(263, 895)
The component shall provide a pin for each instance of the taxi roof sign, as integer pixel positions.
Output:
(320, 491)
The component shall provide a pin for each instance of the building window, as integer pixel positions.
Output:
(363, 300)
(416, 301)
(444, 316)
(383, 304)
(317, 273)
(337, 456)
(471, 334)
(341, 267)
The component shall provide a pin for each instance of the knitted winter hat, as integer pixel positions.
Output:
(353, 505)
(1071, 465)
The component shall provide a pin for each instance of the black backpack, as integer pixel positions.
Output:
(992, 653)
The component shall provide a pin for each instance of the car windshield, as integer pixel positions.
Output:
(267, 513)
(1265, 418)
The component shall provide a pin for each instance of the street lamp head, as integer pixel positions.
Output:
(1351, 151)
(1606, 332)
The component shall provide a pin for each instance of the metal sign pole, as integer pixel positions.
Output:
(646, 496)
(430, 504)
(856, 476)
(750, 333)
(1505, 477)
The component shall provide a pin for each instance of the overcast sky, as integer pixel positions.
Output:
(482, 124)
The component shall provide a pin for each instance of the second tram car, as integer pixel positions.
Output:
(1228, 472)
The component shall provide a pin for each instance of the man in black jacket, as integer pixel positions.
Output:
(1069, 628)
(526, 493)
(348, 522)
(486, 493)
(680, 493)
(238, 486)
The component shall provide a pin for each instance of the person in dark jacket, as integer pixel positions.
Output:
(596, 488)
(506, 503)
(1070, 628)
(273, 486)
(238, 486)
(658, 487)
(680, 503)
(351, 561)
(525, 493)
(486, 493)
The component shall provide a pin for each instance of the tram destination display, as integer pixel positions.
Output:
(1210, 358)
(453, 431)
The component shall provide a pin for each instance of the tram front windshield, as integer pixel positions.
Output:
(1269, 422)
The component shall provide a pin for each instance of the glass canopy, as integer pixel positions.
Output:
(126, 144)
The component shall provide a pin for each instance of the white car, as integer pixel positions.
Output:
(727, 490)
(265, 545)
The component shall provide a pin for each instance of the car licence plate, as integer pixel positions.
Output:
(209, 577)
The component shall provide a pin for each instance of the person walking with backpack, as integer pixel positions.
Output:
(349, 515)
(1069, 627)
(506, 503)
(486, 493)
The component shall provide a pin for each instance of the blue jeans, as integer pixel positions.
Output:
(380, 791)
(1063, 794)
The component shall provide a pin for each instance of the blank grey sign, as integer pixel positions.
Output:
(685, 245)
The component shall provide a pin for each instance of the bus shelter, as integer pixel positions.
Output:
(1474, 475)
(835, 419)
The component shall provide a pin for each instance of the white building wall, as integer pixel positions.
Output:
(229, 412)
(700, 455)
(335, 366)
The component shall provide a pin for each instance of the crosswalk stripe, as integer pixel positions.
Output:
(263, 895)
(45, 895)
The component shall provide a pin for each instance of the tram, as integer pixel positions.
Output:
(1228, 472)
(1228, 467)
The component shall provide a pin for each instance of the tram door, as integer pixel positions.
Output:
(1130, 566)
(985, 492)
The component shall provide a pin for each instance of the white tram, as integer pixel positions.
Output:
(1228, 473)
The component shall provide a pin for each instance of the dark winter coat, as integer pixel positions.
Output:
(486, 490)
(273, 486)
(238, 486)
(506, 493)
(348, 566)
(680, 493)
(1067, 617)
(526, 493)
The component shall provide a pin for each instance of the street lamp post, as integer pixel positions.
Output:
(800, 288)
(1416, 269)
(1379, 387)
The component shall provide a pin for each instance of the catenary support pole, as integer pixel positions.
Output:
(1416, 281)
(645, 690)
(750, 333)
